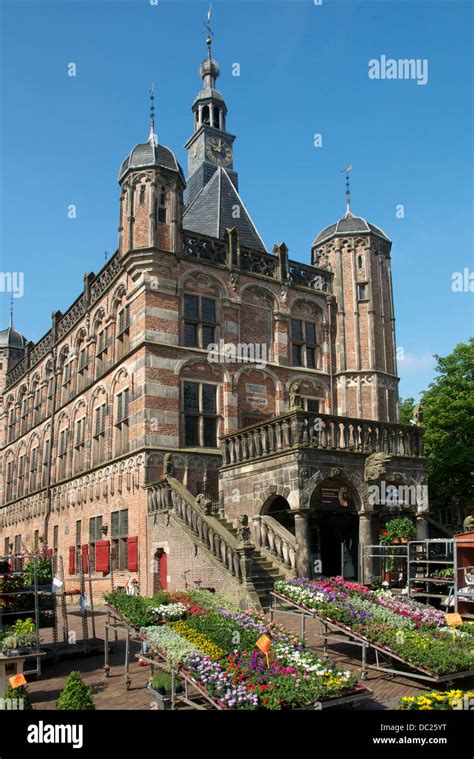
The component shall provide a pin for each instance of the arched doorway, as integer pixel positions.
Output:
(334, 529)
(279, 508)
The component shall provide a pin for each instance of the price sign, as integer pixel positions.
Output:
(453, 619)
(17, 680)
(264, 644)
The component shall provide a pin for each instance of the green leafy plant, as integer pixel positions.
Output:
(401, 528)
(76, 695)
(161, 682)
(20, 695)
(22, 635)
(44, 571)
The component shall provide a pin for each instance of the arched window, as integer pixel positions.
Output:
(79, 444)
(205, 115)
(123, 330)
(217, 117)
(63, 443)
(82, 355)
(200, 321)
(34, 457)
(22, 473)
(99, 418)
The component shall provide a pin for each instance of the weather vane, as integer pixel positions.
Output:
(346, 171)
(152, 136)
(210, 33)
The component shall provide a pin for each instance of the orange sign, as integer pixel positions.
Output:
(264, 644)
(453, 619)
(17, 680)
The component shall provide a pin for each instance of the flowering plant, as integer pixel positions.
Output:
(436, 701)
(170, 611)
(173, 646)
(218, 682)
(198, 640)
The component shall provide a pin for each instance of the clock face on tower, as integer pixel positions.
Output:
(218, 151)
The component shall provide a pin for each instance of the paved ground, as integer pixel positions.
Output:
(110, 693)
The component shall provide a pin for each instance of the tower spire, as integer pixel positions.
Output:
(11, 310)
(152, 138)
(346, 171)
(210, 33)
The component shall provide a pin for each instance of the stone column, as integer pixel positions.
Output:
(421, 527)
(303, 547)
(366, 539)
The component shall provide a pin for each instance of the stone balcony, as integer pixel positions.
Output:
(321, 432)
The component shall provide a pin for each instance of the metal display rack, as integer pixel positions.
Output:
(8, 598)
(424, 558)
(383, 560)
(335, 631)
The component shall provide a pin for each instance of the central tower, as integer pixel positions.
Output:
(211, 146)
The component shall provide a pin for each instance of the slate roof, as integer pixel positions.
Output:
(349, 224)
(210, 213)
(150, 154)
(10, 338)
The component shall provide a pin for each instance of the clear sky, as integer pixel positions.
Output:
(304, 70)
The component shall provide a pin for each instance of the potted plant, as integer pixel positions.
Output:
(75, 694)
(160, 688)
(44, 572)
(21, 638)
(397, 531)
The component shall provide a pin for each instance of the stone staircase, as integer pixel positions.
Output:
(265, 571)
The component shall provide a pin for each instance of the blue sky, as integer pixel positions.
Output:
(303, 70)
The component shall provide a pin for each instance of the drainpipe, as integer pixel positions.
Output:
(330, 301)
(55, 316)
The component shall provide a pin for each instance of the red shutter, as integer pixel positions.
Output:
(102, 555)
(72, 560)
(163, 571)
(85, 557)
(132, 554)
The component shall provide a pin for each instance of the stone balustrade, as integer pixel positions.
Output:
(169, 494)
(321, 432)
(270, 536)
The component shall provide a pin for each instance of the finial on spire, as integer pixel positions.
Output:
(152, 136)
(11, 310)
(346, 171)
(210, 33)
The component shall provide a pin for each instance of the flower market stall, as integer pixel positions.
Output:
(224, 658)
(395, 628)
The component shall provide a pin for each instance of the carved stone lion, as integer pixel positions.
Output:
(375, 466)
(168, 467)
(205, 503)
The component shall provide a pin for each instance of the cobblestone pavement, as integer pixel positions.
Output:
(111, 693)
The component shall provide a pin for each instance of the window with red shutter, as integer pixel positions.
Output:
(102, 555)
(85, 558)
(72, 560)
(133, 554)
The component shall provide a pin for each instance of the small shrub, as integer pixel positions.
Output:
(19, 694)
(76, 695)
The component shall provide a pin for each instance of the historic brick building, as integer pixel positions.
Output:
(200, 378)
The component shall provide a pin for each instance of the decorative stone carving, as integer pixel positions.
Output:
(243, 529)
(168, 468)
(375, 466)
(295, 397)
(418, 415)
(205, 503)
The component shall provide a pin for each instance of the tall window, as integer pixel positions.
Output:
(9, 481)
(37, 404)
(17, 551)
(80, 444)
(98, 434)
(123, 331)
(200, 415)
(161, 206)
(34, 469)
(95, 534)
(45, 462)
(49, 395)
(55, 547)
(67, 381)
(62, 454)
(101, 352)
(199, 321)
(6, 546)
(36, 541)
(119, 547)
(82, 364)
(78, 541)
(303, 343)
(11, 423)
(121, 422)
(21, 475)
(24, 414)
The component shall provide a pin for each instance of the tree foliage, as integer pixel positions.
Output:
(448, 416)
(406, 407)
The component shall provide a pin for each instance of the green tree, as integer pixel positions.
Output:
(406, 410)
(448, 418)
(75, 694)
